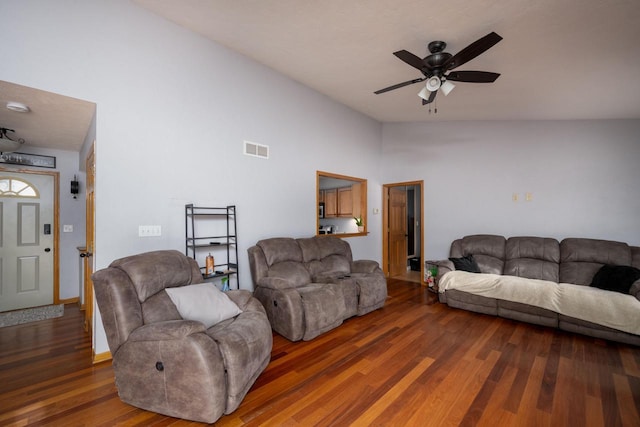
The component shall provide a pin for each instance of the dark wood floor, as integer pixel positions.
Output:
(414, 362)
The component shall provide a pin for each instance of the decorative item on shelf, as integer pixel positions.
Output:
(359, 223)
(75, 187)
(225, 284)
(209, 262)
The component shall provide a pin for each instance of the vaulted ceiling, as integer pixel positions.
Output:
(568, 59)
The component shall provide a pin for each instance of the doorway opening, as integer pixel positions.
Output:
(403, 237)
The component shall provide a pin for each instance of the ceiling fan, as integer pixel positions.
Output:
(434, 67)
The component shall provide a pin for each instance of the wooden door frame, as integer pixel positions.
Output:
(56, 228)
(89, 239)
(385, 224)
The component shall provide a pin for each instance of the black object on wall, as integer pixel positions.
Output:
(75, 187)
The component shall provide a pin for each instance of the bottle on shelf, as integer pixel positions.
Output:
(209, 269)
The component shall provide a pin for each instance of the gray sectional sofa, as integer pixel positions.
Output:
(308, 286)
(545, 282)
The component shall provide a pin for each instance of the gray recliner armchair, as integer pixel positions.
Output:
(172, 366)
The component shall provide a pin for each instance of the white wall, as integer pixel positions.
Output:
(172, 112)
(584, 178)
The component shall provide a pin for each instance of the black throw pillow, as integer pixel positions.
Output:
(466, 263)
(635, 289)
(618, 278)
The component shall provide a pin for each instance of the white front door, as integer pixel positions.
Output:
(26, 240)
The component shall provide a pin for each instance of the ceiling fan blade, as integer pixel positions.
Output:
(399, 85)
(411, 59)
(473, 76)
(474, 49)
(431, 98)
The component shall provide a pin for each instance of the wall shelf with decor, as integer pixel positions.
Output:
(212, 230)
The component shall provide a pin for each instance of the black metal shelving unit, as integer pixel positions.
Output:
(202, 226)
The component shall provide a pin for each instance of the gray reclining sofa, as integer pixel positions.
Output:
(308, 286)
(570, 263)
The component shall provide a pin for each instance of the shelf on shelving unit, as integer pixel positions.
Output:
(203, 230)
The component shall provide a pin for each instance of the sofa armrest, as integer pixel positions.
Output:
(364, 266)
(167, 331)
(276, 283)
(245, 300)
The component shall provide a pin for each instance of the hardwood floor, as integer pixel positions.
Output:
(415, 362)
(410, 276)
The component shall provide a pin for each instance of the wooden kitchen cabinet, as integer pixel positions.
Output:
(345, 202)
(356, 197)
(331, 203)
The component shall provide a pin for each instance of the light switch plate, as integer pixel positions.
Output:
(67, 228)
(149, 230)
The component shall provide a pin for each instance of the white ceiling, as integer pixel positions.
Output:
(55, 121)
(560, 59)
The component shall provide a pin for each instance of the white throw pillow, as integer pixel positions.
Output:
(203, 302)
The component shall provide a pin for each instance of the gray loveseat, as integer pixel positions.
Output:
(544, 282)
(178, 367)
(309, 286)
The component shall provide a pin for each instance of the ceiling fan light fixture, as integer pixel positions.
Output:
(424, 94)
(433, 84)
(447, 87)
(8, 145)
(18, 107)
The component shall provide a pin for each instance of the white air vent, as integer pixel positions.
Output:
(256, 150)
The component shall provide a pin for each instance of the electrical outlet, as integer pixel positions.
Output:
(67, 228)
(149, 230)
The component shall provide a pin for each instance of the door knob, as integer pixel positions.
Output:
(47, 249)
(86, 254)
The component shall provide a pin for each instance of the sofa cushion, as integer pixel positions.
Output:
(294, 272)
(280, 249)
(580, 259)
(466, 263)
(152, 272)
(542, 248)
(533, 258)
(617, 278)
(310, 249)
(203, 303)
(333, 246)
(487, 249)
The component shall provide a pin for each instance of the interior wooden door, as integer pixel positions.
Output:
(397, 231)
(90, 241)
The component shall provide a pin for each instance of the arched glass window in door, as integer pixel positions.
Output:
(14, 187)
